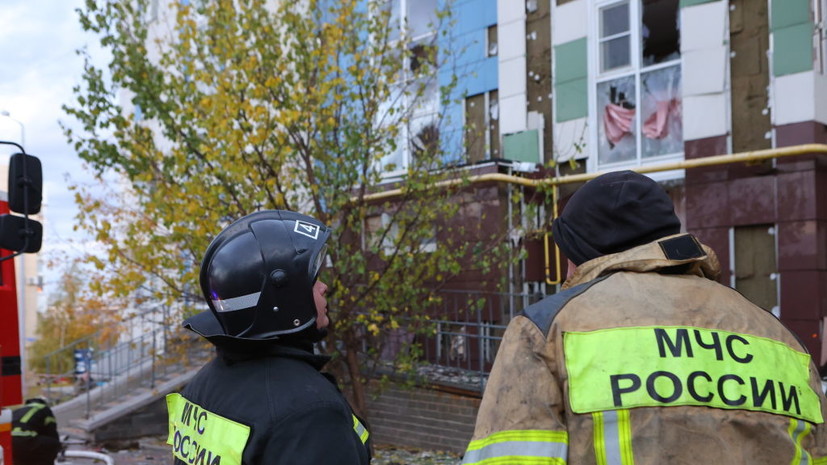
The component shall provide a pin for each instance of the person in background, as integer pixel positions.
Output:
(35, 440)
(263, 399)
(643, 357)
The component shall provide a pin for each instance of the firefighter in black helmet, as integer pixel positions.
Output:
(263, 398)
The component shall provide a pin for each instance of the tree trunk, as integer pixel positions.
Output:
(357, 384)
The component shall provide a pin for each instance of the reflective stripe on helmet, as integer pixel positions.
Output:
(236, 303)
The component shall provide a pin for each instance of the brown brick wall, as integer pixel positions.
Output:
(422, 418)
(792, 195)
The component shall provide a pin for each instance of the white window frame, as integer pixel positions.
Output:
(821, 34)
(633, 69)
(419, 110)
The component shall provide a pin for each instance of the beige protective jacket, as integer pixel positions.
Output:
(643, 358)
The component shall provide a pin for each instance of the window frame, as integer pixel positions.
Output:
(634, 69)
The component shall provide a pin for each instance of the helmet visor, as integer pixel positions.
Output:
(317, 263)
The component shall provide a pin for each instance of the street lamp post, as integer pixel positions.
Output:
(19, 123)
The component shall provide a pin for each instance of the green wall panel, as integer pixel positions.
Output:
(792, 49)
(787, 13)
(522, 146)
(571, 80)
(685, 3)
(571, 100)
(570, 61)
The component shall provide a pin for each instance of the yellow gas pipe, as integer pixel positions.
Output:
(715, 160)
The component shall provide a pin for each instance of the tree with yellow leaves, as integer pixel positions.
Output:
(72, 314)
(243, 105)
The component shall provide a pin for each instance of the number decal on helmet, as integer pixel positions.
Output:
(307, 229)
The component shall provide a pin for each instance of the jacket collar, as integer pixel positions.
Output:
(238, 348)
(646, 258)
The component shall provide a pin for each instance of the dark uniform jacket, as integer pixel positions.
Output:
(35, 439)
(644, 359)
(268, 405)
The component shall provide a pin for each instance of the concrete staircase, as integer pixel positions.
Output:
(138, 410)
(128, 401)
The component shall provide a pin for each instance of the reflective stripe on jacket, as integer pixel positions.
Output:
(643, 358)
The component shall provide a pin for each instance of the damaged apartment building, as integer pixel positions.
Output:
(551, 88)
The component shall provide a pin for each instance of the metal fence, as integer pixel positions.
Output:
(148, 350)
(460, 349)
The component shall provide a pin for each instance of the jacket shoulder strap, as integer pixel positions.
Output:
(543, 312)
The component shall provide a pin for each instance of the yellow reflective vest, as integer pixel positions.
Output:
(643, 358)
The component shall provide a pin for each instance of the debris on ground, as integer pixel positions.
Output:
(394, 455)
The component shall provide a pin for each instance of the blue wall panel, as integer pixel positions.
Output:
(475, 72)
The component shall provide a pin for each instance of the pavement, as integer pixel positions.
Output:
(144, 451)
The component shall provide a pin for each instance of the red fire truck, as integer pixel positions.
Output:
(10, 382)
(18, 234)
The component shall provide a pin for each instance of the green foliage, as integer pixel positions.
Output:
(248, 106)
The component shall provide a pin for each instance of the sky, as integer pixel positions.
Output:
(38, 69)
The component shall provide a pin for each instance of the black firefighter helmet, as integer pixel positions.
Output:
(258, 274)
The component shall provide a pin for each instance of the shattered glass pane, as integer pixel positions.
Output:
(661, 112)
(616, 133)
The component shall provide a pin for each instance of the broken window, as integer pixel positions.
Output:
(422, 58)
(617, 130)
(638, 95)
(660, 31)
(662, 125)
(414, 101)
(492, 47)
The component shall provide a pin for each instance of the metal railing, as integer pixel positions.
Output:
(459, 351)
(148, 350)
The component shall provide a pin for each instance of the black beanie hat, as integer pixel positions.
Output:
(612, 213)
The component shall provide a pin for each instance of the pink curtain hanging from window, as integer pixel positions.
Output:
(617, 122)
(655, 126)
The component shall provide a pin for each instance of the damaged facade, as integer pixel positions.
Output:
(557, 87)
